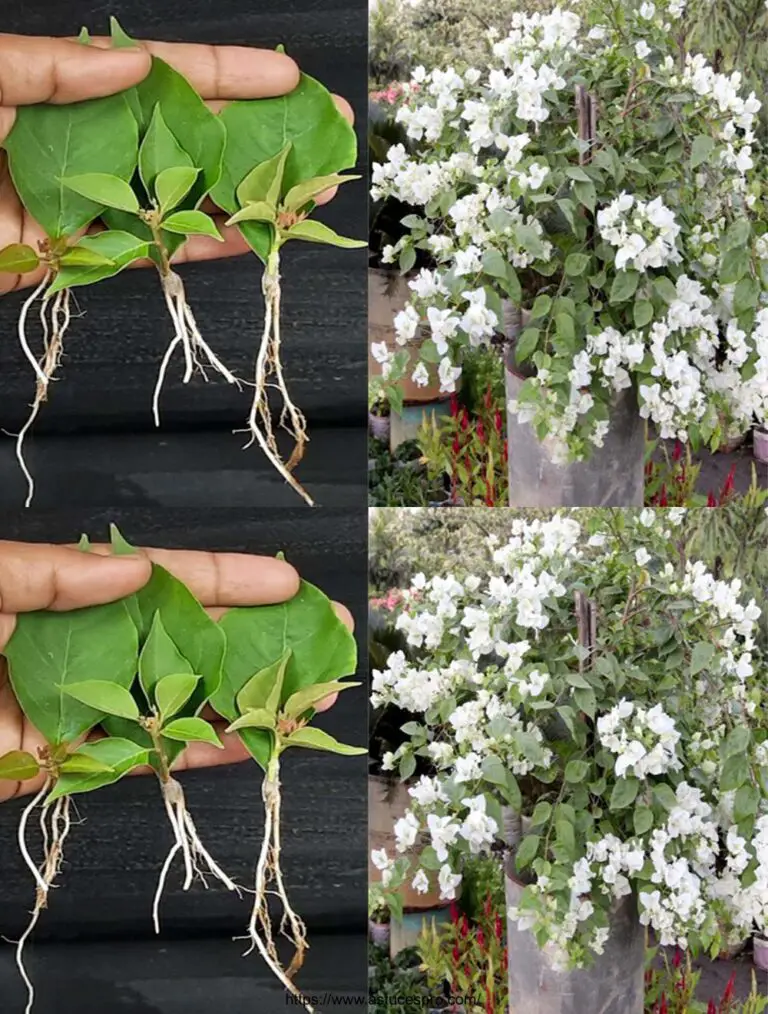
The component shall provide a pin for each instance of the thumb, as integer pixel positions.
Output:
(59, 70)
(57, 577)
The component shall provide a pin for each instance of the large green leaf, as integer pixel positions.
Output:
(322, 649)
(322, 142)
(50, 650)
(50, 142)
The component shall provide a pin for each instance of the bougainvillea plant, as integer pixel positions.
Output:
(280, 155)
(602, 684)
(628, 225)
(139, 672)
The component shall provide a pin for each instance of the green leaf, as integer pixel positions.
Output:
(110, 698)
(576, 771)
(173, 691)
(105, 189)
(84, 38)
(665, 288)
(50, 142)
(747, 295)
(173, 185)
(734, 265)
(322, 649)
(665, 796)
(52, 650)
(527, 851)
(737, 234)
(255, 211)
(702, 147)
(541, 813)
(497, 773)
(316, 739)
(186, 730)
(119, 544)
(323, 142)
(526, 344)
(702, 654)
(18, 766)
(119, 38)
(735, 772)
(586, 194)
(18, 259)
(84, 764)
(566, 836)
(541, 306)
(259, 691)
(307, 698)
(624, 793)
(746, 802)
(624, 286)
(305, 192)
(737, 741)
(642, 819)
(117, 756)
(494, 264)
(82, 256)
(255, 718)
(160, 152)
(642, 312)
(264, 183)
(316, 232)
(576, 264)
(159, 658)
(119, 248)
(574, 172)
(192, 223)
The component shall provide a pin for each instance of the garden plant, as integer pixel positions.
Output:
(627, 224)
(600, 685)
(144, 162)
(141, 671)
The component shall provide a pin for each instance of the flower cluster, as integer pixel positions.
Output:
(634, 753)
(637, 256)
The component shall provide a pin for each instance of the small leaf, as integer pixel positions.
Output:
(576, 771)
(84, 545)
(18, 259)
(160, 657)
(316, 232)
(84, 764)
(110, 698)
(120, 545)
(119, 38)
(117, 754)
(526, 853)
(160, 151)
(192, 223)
(173, 691)
(105, 189)
(701, 656)
(701, 149)
(576, 264)
(254, 211)
(624, 286)
(643, 819)
(305, 699)
(187, 730)
(624, 793)
(265, 181)
(84, 38)
(265, 688)
(81, 256)
(18, 766)
(316, 739)
(643, 312)
(303, 193)
(120, 248)
(173, 185)
(255, 718)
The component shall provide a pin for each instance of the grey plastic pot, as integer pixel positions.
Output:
(613, 476)
(614, 984)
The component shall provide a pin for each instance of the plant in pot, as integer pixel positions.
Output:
(618, 242)
(378, 917)
(379, 417)
(593, 704)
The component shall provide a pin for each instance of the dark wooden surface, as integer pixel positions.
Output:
(98, 459)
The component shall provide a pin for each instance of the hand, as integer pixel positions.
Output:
(61, 71)
(61, 577)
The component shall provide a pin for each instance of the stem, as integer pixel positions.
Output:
(267, 363)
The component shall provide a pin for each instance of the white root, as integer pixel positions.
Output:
(55, 825)
(269, 365)
(198, 862)
(53, 332)
(268, 871)
(187, 334)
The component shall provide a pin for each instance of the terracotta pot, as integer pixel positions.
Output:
(387, 802)
(388, 293)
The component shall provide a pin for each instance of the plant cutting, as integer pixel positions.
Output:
(46, 144)
(280, 662)
(280, 155)
(600, 689)
(629, 228)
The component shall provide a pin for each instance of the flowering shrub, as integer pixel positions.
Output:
(634, 243)
(469, 451)
(672, 990)
(637, 752)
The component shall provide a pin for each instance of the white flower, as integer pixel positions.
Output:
(448, 882)
(443, 832)
(420, 375)
(406, 324)
(420, 882)
(647, 10)
(406, 832)
(642, 556)
(448, 374)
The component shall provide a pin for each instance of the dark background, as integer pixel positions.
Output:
(113, 352)
(97, 459)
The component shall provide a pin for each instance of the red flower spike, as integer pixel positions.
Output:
(456, 445)
(663, 1005)
(464, 926)
(711, 1009)
(454, 405)
(711, 502)
(481, 939)
(498, 421)
(664, 499)
(678, 451)
(456, 954)
(480, 430)
(464, 420)
(729, 989)
(499, 927)
(454, 912)
(678, 958)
